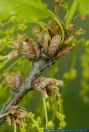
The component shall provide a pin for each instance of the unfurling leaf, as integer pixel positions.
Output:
(27, 47)
(18, 42)
(46, 42)
(17, 113)
(48, 86)
(69, 40)
(63, 52)
(54, 28)
(14, 80)
(58, 1)
(30, 50)
(54, 45)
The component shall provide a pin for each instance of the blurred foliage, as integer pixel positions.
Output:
(36, 8)
(85, 74)
(73, 68)
(83, 7)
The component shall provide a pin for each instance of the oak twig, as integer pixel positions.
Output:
(26, 86)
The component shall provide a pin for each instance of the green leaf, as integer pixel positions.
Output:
(2, 57)
(83, 7)
(28, 10)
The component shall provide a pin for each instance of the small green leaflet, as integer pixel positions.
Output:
(83, 7)
(26, 10)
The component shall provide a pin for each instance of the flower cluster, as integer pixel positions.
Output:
(15, 115)
(48, 86)
(61, 118)
(48, 46)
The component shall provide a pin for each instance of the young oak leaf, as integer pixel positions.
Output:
(63, 52)
(16, 114)
(14, 80)
(46, 42)
(54, 45)
(27, 47)
(31, 50)
(48, 86)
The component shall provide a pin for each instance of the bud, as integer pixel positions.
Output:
(22, 38)
(27, 47)
(18, 42)
(58, 2)
(69, 40)
(17, 114)
(14, 80)
(31, 50)
(70, 27)
(16, 45)
(80, 32)
(48, 86)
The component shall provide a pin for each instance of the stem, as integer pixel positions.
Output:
(45, 110)
(60, 105)
(5, 62)
(3, 115)
(56, 10)
(59, 23)
(23, 127)
(72, 12)
(14, 125)
(43, 25)
(36, 125)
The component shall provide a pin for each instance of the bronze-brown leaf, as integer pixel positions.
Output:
(31, 50)
(46, 42)
(48, 86)
(69, 40)
(14, 80)
(15, 115)
(54, 45)
(27, 47)
(63, 52)
(54, 29)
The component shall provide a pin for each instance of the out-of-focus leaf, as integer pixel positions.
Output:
(83, 7)
(29, 10)
(2, 57)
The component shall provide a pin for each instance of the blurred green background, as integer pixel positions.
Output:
(69, 68)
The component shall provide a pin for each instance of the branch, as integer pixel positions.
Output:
(50, 46)
(26, 86)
